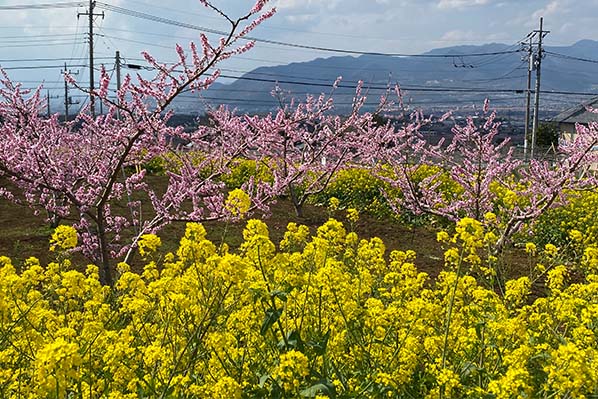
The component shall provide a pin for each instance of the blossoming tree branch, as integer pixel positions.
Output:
(78, 172)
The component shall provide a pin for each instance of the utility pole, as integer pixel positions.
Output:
(530, 59)
(67, 99)
(48, 97)
(90, 15)
(117, 62)
(538, 64)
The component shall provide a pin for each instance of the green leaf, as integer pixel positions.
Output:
(263, 379)
(279, 294)
(293, 341)
(272, 315)
(479, 328)
(276, 392)
(468, 368)
(320, 346)
(323, 387)
(256, 294)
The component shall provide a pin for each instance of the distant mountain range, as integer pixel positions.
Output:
(423, 78)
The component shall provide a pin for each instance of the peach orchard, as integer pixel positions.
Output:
(328, 315)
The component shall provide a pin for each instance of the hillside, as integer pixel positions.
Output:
(421, 77)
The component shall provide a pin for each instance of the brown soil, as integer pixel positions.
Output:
(24, 234)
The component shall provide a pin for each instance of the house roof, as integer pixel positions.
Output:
(579, 113)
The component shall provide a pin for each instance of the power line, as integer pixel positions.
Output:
(38, 36)
(40, 67)
(272, 26)
(42, 6)
(40, 44)
(189, 97)
(102, 36)
(403, 87)
(52, 28)
(498, 58)
(338, 69)
(241, 57)
(155, 18)
(51, 59)
(501, 77)
(410, 88)
(570, 57)
(310, 80)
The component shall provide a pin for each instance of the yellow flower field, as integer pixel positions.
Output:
(323, 316)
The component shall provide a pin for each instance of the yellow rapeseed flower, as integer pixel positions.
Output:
(530, 248)
(237, 203)
(442, 236)
(63, 238)
(56, 364)
(517, 290)
(148, 243)
(576, 235)
(291, 369)
(352, 215)
(333, 203)
(550, 250)
(490, 217)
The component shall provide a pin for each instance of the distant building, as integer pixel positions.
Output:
(567, 119)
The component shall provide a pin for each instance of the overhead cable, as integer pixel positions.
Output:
(155, 18)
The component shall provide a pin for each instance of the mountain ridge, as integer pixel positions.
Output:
(421, 76)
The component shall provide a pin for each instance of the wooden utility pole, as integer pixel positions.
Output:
(67, 99)
(117, 62)
(90, 14)
(538, 64)
(48, 102)
(48, 97)
(530, 55)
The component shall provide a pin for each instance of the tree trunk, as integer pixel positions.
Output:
(105, 272)
(297, 204)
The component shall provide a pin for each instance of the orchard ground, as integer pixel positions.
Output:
(25, 234)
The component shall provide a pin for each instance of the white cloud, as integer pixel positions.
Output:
(306, 4)
(345, 7)
(447, 4)
(566, 28)
(301, 18)
(555, 7)
(459, 35)
(14, 18)
(406, 26)
(552, 12)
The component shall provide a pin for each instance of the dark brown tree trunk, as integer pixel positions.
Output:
(105, 271)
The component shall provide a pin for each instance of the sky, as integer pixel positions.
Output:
(401, 26)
